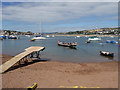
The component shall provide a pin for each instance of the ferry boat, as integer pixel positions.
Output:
(94, 38)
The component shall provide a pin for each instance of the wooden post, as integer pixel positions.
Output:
(19, 62)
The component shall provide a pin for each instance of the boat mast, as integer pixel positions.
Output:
(40, 29)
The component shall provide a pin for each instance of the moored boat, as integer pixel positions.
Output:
(38, 37)
(32, 40)
(3, 36)
(13, 37)
(47, 36)
(87, 41)
(78, 36)
(111, 41)
(94, 38)
(71, 45)
(53, 35)
(107, 53)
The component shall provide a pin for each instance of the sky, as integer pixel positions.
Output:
(58, 16)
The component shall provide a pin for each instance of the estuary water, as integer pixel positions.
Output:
(85, 52)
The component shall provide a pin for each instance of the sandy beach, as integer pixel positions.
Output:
(52, 74)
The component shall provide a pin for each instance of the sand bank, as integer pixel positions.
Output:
(52, 74)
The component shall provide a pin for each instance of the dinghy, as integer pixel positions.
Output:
(106, 53)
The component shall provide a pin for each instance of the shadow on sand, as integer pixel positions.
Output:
(26, 64)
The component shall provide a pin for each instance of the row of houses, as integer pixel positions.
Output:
(9, 32)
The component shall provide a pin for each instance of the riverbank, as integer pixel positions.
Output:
(52, 74)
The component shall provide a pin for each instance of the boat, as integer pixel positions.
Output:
(71, 45)
(3, 36)
(53, 36)
(87, 41)
(38, 37)
(107, 53)
(47, 36)
(94, 38)
(32, 40)
(111, 41)
(27, 35)
(13, 37)
(78, 36)
(118, 45)
(112, 36)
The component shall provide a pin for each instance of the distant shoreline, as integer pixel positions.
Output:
(86, 35)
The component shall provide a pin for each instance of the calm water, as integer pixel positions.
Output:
(84, 52)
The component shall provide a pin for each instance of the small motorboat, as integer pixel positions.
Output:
(111, 41)
(94, 38)
(47, 36)
(78, 36)
(27, 35)
(87, 41)
(13, 37)
(53, 35)
(71, 45)
(3, 36)
(107, 53)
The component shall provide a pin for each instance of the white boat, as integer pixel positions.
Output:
(86, 36)
(13, 37)
(27, 35)
(94, 38)
(53, 36)
(77, 36)
(47, 36)
(112, 36)
(38, 37)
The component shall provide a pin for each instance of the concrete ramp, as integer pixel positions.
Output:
(5, 66)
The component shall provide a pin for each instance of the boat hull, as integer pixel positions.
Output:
(38, 38)
(94, 39)
(106, 54)
(67, 45)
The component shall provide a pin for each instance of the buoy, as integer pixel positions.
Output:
(32, 40)
(33, 87)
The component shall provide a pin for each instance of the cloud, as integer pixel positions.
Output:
(60, 0)
(0, 16)
(53, 12)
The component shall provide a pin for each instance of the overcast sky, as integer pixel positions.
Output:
(58, 16)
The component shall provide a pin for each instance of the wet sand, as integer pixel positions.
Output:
(52, 74)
